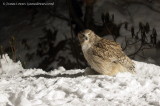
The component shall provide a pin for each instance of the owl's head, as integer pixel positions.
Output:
(86, 36)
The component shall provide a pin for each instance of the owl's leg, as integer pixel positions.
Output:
(112, 69)
(116, 68)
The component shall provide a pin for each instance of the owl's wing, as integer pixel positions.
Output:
(112, 52)
(107, 50)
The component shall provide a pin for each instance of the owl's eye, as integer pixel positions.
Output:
(83, 35)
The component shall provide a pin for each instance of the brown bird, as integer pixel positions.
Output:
(104, 56)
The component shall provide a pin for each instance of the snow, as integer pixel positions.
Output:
(35, 87)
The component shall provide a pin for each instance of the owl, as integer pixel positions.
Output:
(104, 56)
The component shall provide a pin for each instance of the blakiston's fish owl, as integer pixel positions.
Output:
(104, 56)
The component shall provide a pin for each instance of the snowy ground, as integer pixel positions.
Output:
(34, 87)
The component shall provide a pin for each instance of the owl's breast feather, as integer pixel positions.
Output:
(85, 47)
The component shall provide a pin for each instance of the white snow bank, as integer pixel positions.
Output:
(34, 87)
(7, 66)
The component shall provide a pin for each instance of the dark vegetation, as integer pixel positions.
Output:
(145, 37)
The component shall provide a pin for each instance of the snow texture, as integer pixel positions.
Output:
(35, 87)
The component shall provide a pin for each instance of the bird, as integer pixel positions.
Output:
(104, 56)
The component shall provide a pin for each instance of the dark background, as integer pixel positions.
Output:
(46, 36)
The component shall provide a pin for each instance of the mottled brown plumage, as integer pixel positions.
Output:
(104, 56)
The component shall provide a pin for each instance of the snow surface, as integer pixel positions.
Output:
(35, 87)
